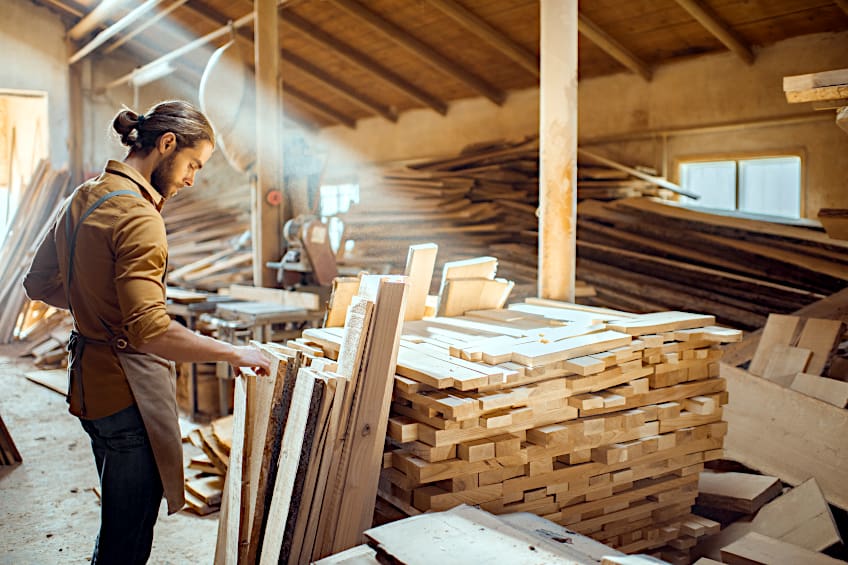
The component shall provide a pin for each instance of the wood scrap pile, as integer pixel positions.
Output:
(762, 525)
(205, 474)
(642, 255)
(595, 419)
(307, 443)
(9, 454)
(482, 201)
(470, 535)
(209, 239)
(38, 206)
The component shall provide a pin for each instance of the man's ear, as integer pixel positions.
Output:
(167, 142)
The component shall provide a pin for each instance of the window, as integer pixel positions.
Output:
(770, 185)
(336, 199)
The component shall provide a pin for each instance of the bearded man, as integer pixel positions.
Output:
(105, 260)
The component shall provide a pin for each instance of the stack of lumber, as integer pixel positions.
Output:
(209, 240)
(641, 254)
(205, 474)
(470, 535)
(796, 352)
(596, 419)
(38, 206)
(9, 454)
(307, 442)
(798, 524)
(482, 201)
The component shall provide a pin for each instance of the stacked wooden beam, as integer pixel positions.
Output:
(38, 206)
(307, 443)
(482, 201)
(641, 255)
(595, 419)
(209, 240)
(205, 473)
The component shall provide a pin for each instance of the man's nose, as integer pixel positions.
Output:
(189, 180)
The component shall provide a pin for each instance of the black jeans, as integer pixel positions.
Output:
(131, 490)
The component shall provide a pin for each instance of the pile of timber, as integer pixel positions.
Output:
(305, 458)
(760, 524)
(595, 419)
(209, 239)
(9, 454)
(641, 255)
(205, 473)
(38, 206)
(483, 201)
(470, 535)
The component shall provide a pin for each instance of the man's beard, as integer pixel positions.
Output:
(162, 177)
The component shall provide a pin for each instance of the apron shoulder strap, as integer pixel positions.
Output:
(72, 235)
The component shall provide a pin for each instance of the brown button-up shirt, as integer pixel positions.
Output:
(118, 279)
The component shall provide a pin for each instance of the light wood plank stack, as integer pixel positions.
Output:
(307, 442)
(641, 254)
(209, 239)
(38, 207)
(480, 202)
(595, 419)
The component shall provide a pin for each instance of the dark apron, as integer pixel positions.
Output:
(152, 381)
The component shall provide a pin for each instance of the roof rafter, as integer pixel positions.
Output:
(113, 30)
(478, 26)
(421, 50)
(317, 106)
(612, 47)
(357, 58)
(304, 66)
(147, 23)
(95, 18)
(723, 32)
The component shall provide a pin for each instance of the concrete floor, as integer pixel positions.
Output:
(49, 513)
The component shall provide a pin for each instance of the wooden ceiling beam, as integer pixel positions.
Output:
(305, 66)
(339, 88)
(146, 24)
(494, 37)
(362, 61)
(113, 30)
(421, 50)
(317, 106)
(723, 32)
(94, 18)
(612, 47)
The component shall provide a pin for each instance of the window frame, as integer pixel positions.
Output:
(737, 156)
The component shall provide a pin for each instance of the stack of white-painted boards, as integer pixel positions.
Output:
(595, 419)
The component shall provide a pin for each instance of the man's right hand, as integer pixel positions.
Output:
(250, 356)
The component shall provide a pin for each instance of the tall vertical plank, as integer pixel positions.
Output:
(558, 150)
(419, 268)
(266, 219)
(75, 117)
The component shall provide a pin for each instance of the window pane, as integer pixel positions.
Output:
(771, 186)
(715, 182)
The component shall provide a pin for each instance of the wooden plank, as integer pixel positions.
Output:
(815, 80)
(738, 492)
(800, 517)
(814, 94)
(779, 330)
(785, 362)
(821, 337)
(536, 354)
(368, 428)
(756, 548)
(53, 379)
(825, 389)
(420, 261)
(232, 526)
(462, 295)
(287, 469)
(357, 555)
(476, 268)
(802, 433)
(660, 322)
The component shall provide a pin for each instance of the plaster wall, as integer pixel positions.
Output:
(33, 57)
(703, 91)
